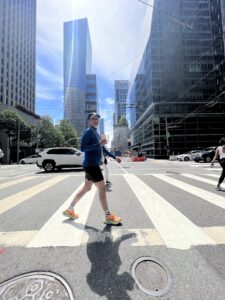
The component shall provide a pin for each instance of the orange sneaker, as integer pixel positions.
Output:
(70, 214)
(112, 219)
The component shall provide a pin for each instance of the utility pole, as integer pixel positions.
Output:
(18, 143)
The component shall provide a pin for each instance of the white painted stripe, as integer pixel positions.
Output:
(12, 201)
(14, 182)
(16, 238)
(213, 198)
(217, 233)
(124, 171)
(209, 181)
(61, 231)
(176, 230)
(213, 169)
(213, 175)
(142, 237)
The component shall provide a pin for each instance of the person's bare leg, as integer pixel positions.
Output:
(82, 191)
(102, 194)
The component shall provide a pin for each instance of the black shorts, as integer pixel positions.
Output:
(93, 173)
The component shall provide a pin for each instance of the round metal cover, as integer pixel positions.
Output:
(35, 286)
(152, 276)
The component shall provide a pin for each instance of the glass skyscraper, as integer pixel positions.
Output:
(121, 90)
(17, 55)
(178, 90)
(77, 64)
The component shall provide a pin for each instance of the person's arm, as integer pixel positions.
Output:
(215, 157)
(85, 142)
(107, 153)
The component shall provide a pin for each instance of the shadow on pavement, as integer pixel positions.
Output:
(103, 254)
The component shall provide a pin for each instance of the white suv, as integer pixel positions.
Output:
(60, 157)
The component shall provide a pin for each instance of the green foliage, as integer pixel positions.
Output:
(47, 134)
(123, 121)
(69, 133)
(9, 121)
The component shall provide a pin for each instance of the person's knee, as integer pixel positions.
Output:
(87, 188)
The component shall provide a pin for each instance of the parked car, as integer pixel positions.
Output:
(184, 157)
(187, 155)
(29, 159)
(60, 157)
(205, 155)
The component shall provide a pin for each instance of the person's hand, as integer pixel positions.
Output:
(103, 142)
(118, 159)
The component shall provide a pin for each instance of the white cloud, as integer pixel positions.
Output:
(109, 101)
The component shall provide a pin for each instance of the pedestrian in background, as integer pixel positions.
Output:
(220, 155)
(1, 155)
(105, 165)
(91, 145)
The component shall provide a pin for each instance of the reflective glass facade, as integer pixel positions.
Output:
(178, 88)
(121, 90)
(77, 64)
(18, 53)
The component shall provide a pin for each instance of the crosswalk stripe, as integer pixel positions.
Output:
(60, 231)
(202, 179)
(212, 175)
(17, 181)
(142, 237)
(213, 169)
(203, 194)
(16, 238)
(11, 201)
(176, 230)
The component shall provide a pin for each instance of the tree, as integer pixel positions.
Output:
(14, 125)
(123, 121)
(69, 133)
(46, 134)
(10, 120)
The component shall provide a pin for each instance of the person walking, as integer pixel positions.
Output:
(91, 145)
(220, 155)
(1, 155)
(105, 165)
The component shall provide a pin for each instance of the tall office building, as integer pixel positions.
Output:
(91, 102)
(17, 55)
(77, 65)
(121, 90)
(102, 126)
(178, 90)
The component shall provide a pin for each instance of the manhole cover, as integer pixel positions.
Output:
(152, 276)
(35, 286)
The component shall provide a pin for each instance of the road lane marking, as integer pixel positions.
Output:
(176, 230)
(213, 175)
(205, 180)
(17, 181)
(217, 233)
(142, 237)
(61, 231)
(16, 238)
(213, 198)
(12, 201)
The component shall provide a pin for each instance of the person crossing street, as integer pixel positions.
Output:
(91, 145)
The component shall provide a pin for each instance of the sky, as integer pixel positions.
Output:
(116, 27)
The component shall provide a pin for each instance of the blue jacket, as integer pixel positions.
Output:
(92, 149)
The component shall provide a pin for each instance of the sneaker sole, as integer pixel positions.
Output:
(112, 223)
(70, 217)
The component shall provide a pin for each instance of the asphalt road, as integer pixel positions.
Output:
(170, 210)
